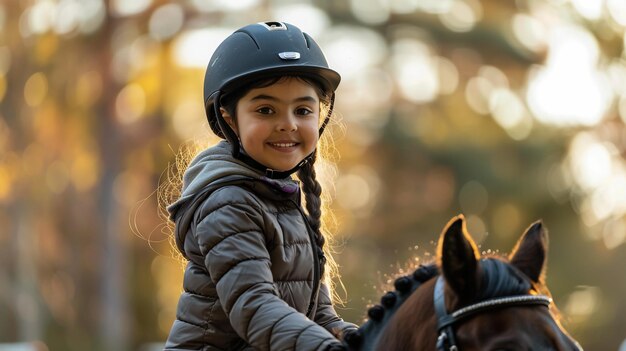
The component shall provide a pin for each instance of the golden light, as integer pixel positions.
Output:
(590, 161)
(448, 75)
(370, 90)
(621, 107)
(597, 169)
(614, 233)
(68, 17)
(36, 89)
(194, 48)
(5, 59)
(569, 90)
(591, 10)
(478, 89)
(350, 49)
(367, 95)
(476, 226)
(310, 19)
(226, 5)
(617, 10)
(5, 182)
(3, 17)
(405, 6)
(357, 190)
(583, 302)
(128, 8)
(57, 177)
(84, 170)
(435, 6)
(188, 121)
(509, 111)
(462, 15)
(130, 103)
(616, 71)
(168, 275)
(415, 70)
(530, 31)
(39, 18)
(92, 15)
(370, 11)
(88, 88)
(166, 21)
(3, 87)
(506, 219)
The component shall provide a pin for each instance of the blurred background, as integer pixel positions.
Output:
(506, 111)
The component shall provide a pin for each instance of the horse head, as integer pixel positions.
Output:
(465, 301)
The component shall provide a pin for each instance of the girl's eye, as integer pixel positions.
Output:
(303, 111)
(264, 110)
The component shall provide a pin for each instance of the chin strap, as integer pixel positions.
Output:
(272, 173)
(227, 131)
(232, 137)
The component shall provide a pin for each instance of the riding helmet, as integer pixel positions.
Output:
(256, 51)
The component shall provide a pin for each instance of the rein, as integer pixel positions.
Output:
(446, 341)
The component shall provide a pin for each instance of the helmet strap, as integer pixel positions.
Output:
(272, 173)
(228, 132)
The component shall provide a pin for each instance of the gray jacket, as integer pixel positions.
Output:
(252, 278)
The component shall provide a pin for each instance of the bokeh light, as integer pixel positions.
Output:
(569, 90)
(193, 48)
(166, 21)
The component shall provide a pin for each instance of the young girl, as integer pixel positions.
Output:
(256, 258)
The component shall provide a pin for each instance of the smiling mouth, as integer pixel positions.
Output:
(283, 145)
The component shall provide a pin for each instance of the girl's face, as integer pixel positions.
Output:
(278, 124)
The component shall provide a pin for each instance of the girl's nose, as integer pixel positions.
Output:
(287, 123)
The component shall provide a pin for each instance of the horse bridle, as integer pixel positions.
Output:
(446, 340)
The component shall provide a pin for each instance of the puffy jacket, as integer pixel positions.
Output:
(251, 281)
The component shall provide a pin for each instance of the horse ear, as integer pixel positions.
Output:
(458, 258)
(529, 254)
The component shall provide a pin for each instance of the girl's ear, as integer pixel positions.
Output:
(229, 119)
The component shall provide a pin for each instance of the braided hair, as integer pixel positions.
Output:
(313, 202)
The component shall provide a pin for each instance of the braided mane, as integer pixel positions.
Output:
(498, 279)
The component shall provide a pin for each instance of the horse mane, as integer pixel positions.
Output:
(498, 279)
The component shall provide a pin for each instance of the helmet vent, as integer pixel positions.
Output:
(289, 55)
(274, 25)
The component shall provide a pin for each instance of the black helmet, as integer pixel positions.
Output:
(263, 50)
(256, 51)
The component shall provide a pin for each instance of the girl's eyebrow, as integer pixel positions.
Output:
(306, 98)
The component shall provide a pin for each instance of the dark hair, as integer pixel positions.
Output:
(307, 175)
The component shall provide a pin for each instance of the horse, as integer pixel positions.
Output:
(467, 302)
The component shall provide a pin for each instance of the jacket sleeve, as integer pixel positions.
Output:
(327, 317)
(232, 241)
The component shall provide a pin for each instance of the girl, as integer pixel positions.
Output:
(256, 259)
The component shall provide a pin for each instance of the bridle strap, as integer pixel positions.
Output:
(446, 339)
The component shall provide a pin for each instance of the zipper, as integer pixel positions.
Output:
(316, 262)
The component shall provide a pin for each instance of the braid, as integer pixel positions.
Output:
(312, 192)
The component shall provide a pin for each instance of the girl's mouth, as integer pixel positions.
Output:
(282, 145)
